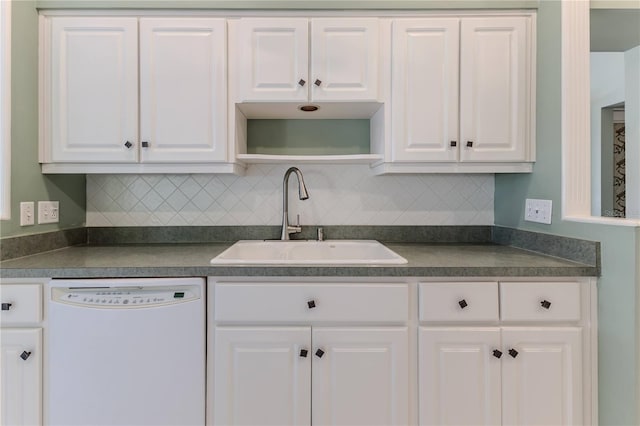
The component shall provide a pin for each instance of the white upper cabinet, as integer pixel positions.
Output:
(344, 59)
(300, 59)
(495, 89)
(443, 92)
(131, 95)
(182, 89)
(274, 59)
(463, 91)
(94, 90)
(425, 89)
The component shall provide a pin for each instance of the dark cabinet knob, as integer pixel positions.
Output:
(302, 82)
(317, 82)
(453, 143)
(545, 304)
(145, 144)
(497, 353)
(463, 304)
(128, 144)
(6, 306)
(304, 353)
(319, 353)
(311, 304)
(24, 355)
(469, 144)
(513, 352)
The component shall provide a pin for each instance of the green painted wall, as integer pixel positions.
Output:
(27, 182)
(308, 137)
(620, 253)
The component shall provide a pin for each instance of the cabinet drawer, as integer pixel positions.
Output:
(295, 302)
(536, 301)
(458, 301)
(21, 303)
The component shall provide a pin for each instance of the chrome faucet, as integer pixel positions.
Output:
(303, 195)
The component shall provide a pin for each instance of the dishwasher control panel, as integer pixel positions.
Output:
(129, 297)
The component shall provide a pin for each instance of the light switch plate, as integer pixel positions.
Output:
(538, 211)
(27, 213)
(48, 212)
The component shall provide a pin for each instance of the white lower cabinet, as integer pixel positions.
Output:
(527, 361)
(362, 377)
(261, 376)
(313, 370)
(275, 375)
(510, 376)
(459, 378)
(542, 376)
(21, 354)
(21, 380)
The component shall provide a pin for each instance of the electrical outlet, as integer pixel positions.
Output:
(27, 216)
(538, 211)
(48, 211)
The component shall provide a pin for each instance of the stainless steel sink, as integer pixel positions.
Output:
(329, 252)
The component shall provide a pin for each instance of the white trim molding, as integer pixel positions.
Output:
(5, 109)
(576, 132)
(576, 127)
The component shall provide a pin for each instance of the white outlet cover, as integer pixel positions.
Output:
(48, 212)
(539, 211)
(27, 213)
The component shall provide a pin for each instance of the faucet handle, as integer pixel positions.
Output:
(294, 229)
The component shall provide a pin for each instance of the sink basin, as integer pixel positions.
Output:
(330, 252)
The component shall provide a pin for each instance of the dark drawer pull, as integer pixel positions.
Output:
(513, 352)
(317, 82)
(545, 304)
(25, 355)
(128, 144)
(469, 144)
(319, 353)
(302, 82)
(311, 304)
(463, 304)
(304, 353)
(497, 353)
(6, 306)
(453, 144)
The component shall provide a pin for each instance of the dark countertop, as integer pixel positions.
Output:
(182, 260)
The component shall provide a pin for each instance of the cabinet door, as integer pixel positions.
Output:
(459, 376)
(273, 59)
(261, 377)
(495, 89)
(344, 59)
(21, 379)
(425, 89)
(542, 385)
(361, 378)
(183, 90)
(94, 89)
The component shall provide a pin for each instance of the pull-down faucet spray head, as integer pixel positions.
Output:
(302, 188)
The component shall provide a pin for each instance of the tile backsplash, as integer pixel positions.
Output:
(338, 195)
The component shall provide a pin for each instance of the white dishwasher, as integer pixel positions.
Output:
(125, 352)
